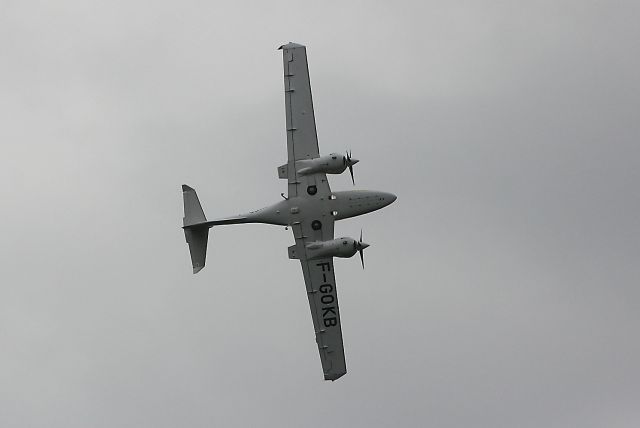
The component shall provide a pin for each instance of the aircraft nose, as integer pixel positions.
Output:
(354, 161)
(363, 245)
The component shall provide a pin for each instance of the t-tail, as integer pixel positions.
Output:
(196, 227)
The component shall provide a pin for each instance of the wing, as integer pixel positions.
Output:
(302, 145)
(302, 140)
(320, 282)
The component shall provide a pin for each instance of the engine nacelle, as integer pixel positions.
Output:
(339, 247)
(332, 164)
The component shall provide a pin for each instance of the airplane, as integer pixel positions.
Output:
(311, 208)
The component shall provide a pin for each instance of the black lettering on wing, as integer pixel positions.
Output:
(328, 310)
(327, 299)
(326, 288)
(329, 322)
(329, 314)
(324, 265)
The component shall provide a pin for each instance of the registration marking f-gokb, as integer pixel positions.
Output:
(329, 315)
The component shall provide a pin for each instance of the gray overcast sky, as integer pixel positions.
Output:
(501, 288)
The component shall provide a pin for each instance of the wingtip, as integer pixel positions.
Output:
(186, 188)
(197, 269)
(334, 376)
(291, 45)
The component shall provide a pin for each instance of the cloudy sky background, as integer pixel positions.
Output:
(501, 288)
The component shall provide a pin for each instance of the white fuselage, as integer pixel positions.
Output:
(339, 205)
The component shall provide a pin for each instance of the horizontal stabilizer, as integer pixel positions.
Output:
(197, 238)
(193, 212)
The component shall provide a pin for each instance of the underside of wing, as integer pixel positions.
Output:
(302, 141)
(320, 282)
(302, 146)
(323, 301)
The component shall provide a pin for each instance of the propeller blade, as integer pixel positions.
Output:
(361, 246)
(350, 162)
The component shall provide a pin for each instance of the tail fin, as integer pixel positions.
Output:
(196, 233)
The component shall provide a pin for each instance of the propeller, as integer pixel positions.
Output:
(360, 246)
(350, 162)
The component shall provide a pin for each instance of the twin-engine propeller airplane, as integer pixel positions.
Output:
(310, 209)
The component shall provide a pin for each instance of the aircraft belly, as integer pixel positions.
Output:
(310, 209)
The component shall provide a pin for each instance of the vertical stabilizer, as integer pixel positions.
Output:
(195, 232)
